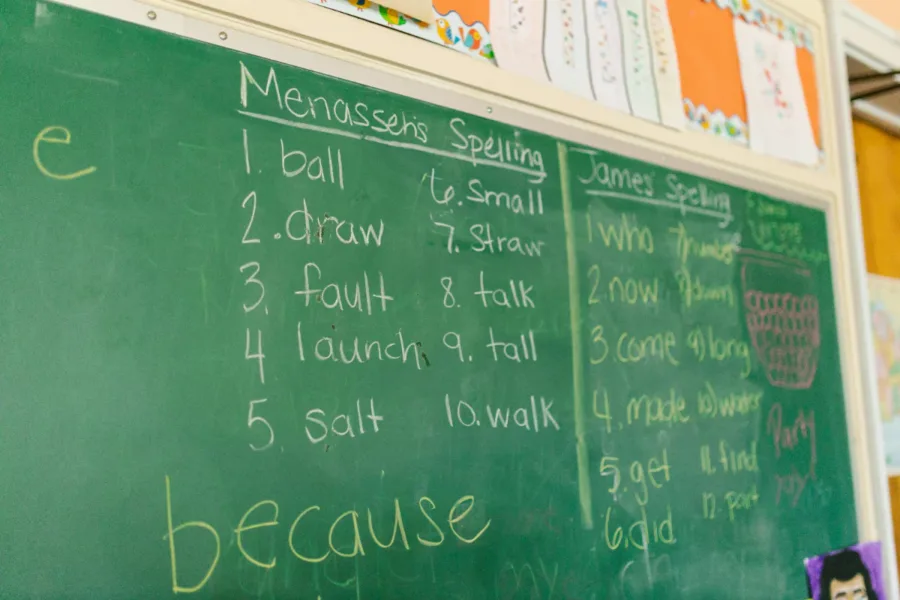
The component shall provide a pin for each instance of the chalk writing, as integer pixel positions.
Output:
(342, 424)
(487, 240)
(524, 580)
(797, 438)
(616, 178)
(506, 347)
(530, 202)
(783, 326)
(360, 295)
(688, 246)
(495, 147)
(527, 417)
(522, 348)
(701, 195)
(325, 168)
(346, 536)
(707, 345)
(785, 238)
(761, 207)
(302, 225)
(712, 404)
(728, 459)
(695, 291)
(624, 235)
(634, 291)
(511, 294)
(357, 350)
(56, 134)
(736, 502)
(600, 408)
(640, 476)
(667, 408)
(323, 109)
(639, 348)
(639, 534)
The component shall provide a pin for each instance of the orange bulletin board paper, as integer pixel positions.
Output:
(710, 69)
(469, 11)
(708, 56)
(806, 62)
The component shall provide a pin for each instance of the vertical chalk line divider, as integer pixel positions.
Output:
(581, 451)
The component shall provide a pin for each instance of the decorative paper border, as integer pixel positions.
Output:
(446, 29)
(756, 13)
(473, 39)
(700, 118)
(733, 129)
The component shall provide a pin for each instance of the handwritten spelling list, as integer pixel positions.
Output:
(673, 371)
(655, 316)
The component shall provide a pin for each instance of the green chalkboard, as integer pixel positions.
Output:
(708, 370)
(271, 334)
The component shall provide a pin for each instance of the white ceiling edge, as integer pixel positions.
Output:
(876, 45)
(868, 40)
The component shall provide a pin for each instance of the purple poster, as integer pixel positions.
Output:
(853, 573)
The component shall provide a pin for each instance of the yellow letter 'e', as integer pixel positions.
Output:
(241, 528)
(45, 136)
(453, 518)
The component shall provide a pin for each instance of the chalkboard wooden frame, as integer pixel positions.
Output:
(395, 80)
(845, 41)
(844, 236)
(325, 31)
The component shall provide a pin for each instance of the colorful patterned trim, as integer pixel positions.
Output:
(448, 30)
(755, 12)
(470, 39)
(733, 129)
(700, 118)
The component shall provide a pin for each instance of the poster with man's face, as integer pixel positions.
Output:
(853, 573)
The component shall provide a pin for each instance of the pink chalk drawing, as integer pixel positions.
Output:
(783, 319)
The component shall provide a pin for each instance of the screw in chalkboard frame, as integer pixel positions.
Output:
(223, 36)
(489, 110)
(151, 14)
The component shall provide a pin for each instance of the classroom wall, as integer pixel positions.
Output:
(894, 486)
(313, 27)
(886, 11)
(877, 155)
(493, 91)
